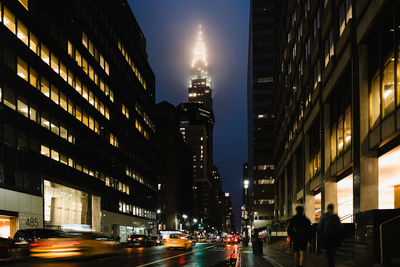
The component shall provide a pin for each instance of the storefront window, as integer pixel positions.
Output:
(345, 199)
(374, 102)
(317, 207)
(388, 87)
(388, 181)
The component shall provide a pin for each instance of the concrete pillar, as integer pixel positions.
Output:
(294, 182)
(369, 194)
(286, 196)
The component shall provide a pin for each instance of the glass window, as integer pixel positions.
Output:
(91, 48)
(44, 87)
(55, 155)
(85, 118)
(84, 40)
(78, 86)
(85, 92)
(44, 53)
(9, 97)
(85, 65)
(340, 142)
(22, 69)
(96, 127)
(63, 101)
(33, 43)
(63, 159)
(54, 94)
(33, 78)
(22, 32)
(349, 10)
(102, 61)
(70, 162)
(107, 68)
(63, 71)
(91, 73)
(9, 20)
(44, 150)
(24, 3)
(388, 87)
(347, 130)
(63, 132)
(91, 98)
(44, 121)
(33, 114)
(54, 63)
(107, 114)
(78, 58)
(71, 138)
(70, 78)
(22, 107)
(54, 126)
(78, 113)
(71, 107)
(91, 123)
(70, 49)
(374, 102)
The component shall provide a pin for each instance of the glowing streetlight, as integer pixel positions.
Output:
(246, 184)
(195, 220)
(158, 211)
(184, 216)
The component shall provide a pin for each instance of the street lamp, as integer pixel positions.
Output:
(195, 220)
(184, 216)
(246, 184)
(158, 211)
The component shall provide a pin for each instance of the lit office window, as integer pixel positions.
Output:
(44, 120)
(85, 118)
(388, 87)
(54, 127)
(63, 71)
(33, 43)
(78, 113)
(55, 155)
(22, 69)
(78, 58)
(44, 53)
(33, 78)
(71, 107)
(24, 3)
(22, 32)
(9, 20)
(339, 135)
(54, 94)
(54, 63)
(33, 114)
(63, 132)
(347, 130)
(63, 101)
(22, 107)
(374, 102)
(44, 87)
(45, 151)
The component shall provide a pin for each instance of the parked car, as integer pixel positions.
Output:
(139, 241)
(155, 240)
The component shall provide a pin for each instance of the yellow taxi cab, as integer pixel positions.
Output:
(178, 241)
(227, 239)
(202, 239)
(62, 245)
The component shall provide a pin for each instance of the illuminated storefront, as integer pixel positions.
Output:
(345, 199)
(64, 205)
(389, 180)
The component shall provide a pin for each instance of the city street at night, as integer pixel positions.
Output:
(206, 254)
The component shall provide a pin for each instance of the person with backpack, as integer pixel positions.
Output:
(299, 229)
(329, 233)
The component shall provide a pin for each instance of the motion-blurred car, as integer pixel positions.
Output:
(140, 241)
(178, 241)
(201, 240)
(62, 245)
(192, 239)
(155, 240)
(23, 238)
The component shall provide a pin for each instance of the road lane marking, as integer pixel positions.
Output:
(272, 261)
(176, 256)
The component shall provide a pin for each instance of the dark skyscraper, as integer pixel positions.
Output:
(263, 15)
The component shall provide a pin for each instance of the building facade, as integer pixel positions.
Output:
(338, 117)
(175, 171)
(77, 134)
(260, 89)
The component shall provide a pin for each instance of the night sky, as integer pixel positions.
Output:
(170, 28)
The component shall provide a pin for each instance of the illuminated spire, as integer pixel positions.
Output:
(200, 50)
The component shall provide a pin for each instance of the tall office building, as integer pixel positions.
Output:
(197, 122)
(262, 52)
(76, 118)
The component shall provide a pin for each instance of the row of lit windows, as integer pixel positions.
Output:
(132, 64)
(141, 129)
(315, 164)
(7, 96)
(264, 201)
(58, 97)
(146, 118)
(137, 176)
(135, 210)
(30, 40)
(264, 167)
(62, 158)
(95, 53)
(265, 181)
(88, 69)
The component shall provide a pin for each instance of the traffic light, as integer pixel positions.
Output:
(199, 224)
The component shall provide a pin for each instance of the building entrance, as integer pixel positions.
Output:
(8, 226)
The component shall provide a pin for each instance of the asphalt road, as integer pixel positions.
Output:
(207, 254)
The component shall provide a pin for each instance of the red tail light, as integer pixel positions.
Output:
(140, 239)
(288, 239)
(60, 244)
(40, 244)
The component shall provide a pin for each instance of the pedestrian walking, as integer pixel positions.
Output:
(299, 232)
(329, 233)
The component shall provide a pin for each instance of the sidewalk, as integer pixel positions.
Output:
(277, 255)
